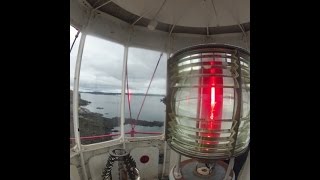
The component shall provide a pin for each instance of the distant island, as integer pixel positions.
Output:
(106, 93)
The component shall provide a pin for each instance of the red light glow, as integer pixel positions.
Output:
(211, 103)
(129, 95)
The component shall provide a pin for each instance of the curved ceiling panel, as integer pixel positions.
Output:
(181, 16)
(191, 13)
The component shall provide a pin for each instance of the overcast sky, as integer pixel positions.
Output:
(101, 68)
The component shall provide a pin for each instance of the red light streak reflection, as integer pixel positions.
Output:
(211, 103)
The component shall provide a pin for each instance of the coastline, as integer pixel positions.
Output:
(94, 124)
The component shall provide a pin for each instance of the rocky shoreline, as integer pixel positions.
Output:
(94, 124)
(144, 123)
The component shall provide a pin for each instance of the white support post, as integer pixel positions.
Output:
(76, 103)
(123, 94)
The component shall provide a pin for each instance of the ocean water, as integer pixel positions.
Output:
(109, 106)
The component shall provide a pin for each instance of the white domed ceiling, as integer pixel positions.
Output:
(181, 16)
(191, 13)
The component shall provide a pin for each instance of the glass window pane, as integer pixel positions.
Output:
(141, 65)
(100, 89)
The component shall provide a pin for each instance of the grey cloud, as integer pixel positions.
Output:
(102, 63)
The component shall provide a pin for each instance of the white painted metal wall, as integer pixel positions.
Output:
(74, 173)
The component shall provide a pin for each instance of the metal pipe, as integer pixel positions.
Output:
(143, 15)
(75, 95)
(215, 12)
(147, 12)
(164, 158)
(230, 167)
(159, 10)
(123, 87)
(102, 5)
(76, 91)
(76, 102)
(177, 172)
(245, 36)
(166, 152)
(137, 20)
(173, 25)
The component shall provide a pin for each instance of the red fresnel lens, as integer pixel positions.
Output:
(208, 92)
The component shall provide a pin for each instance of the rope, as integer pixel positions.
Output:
(159, 9)
(133, 125)
(76, 36)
